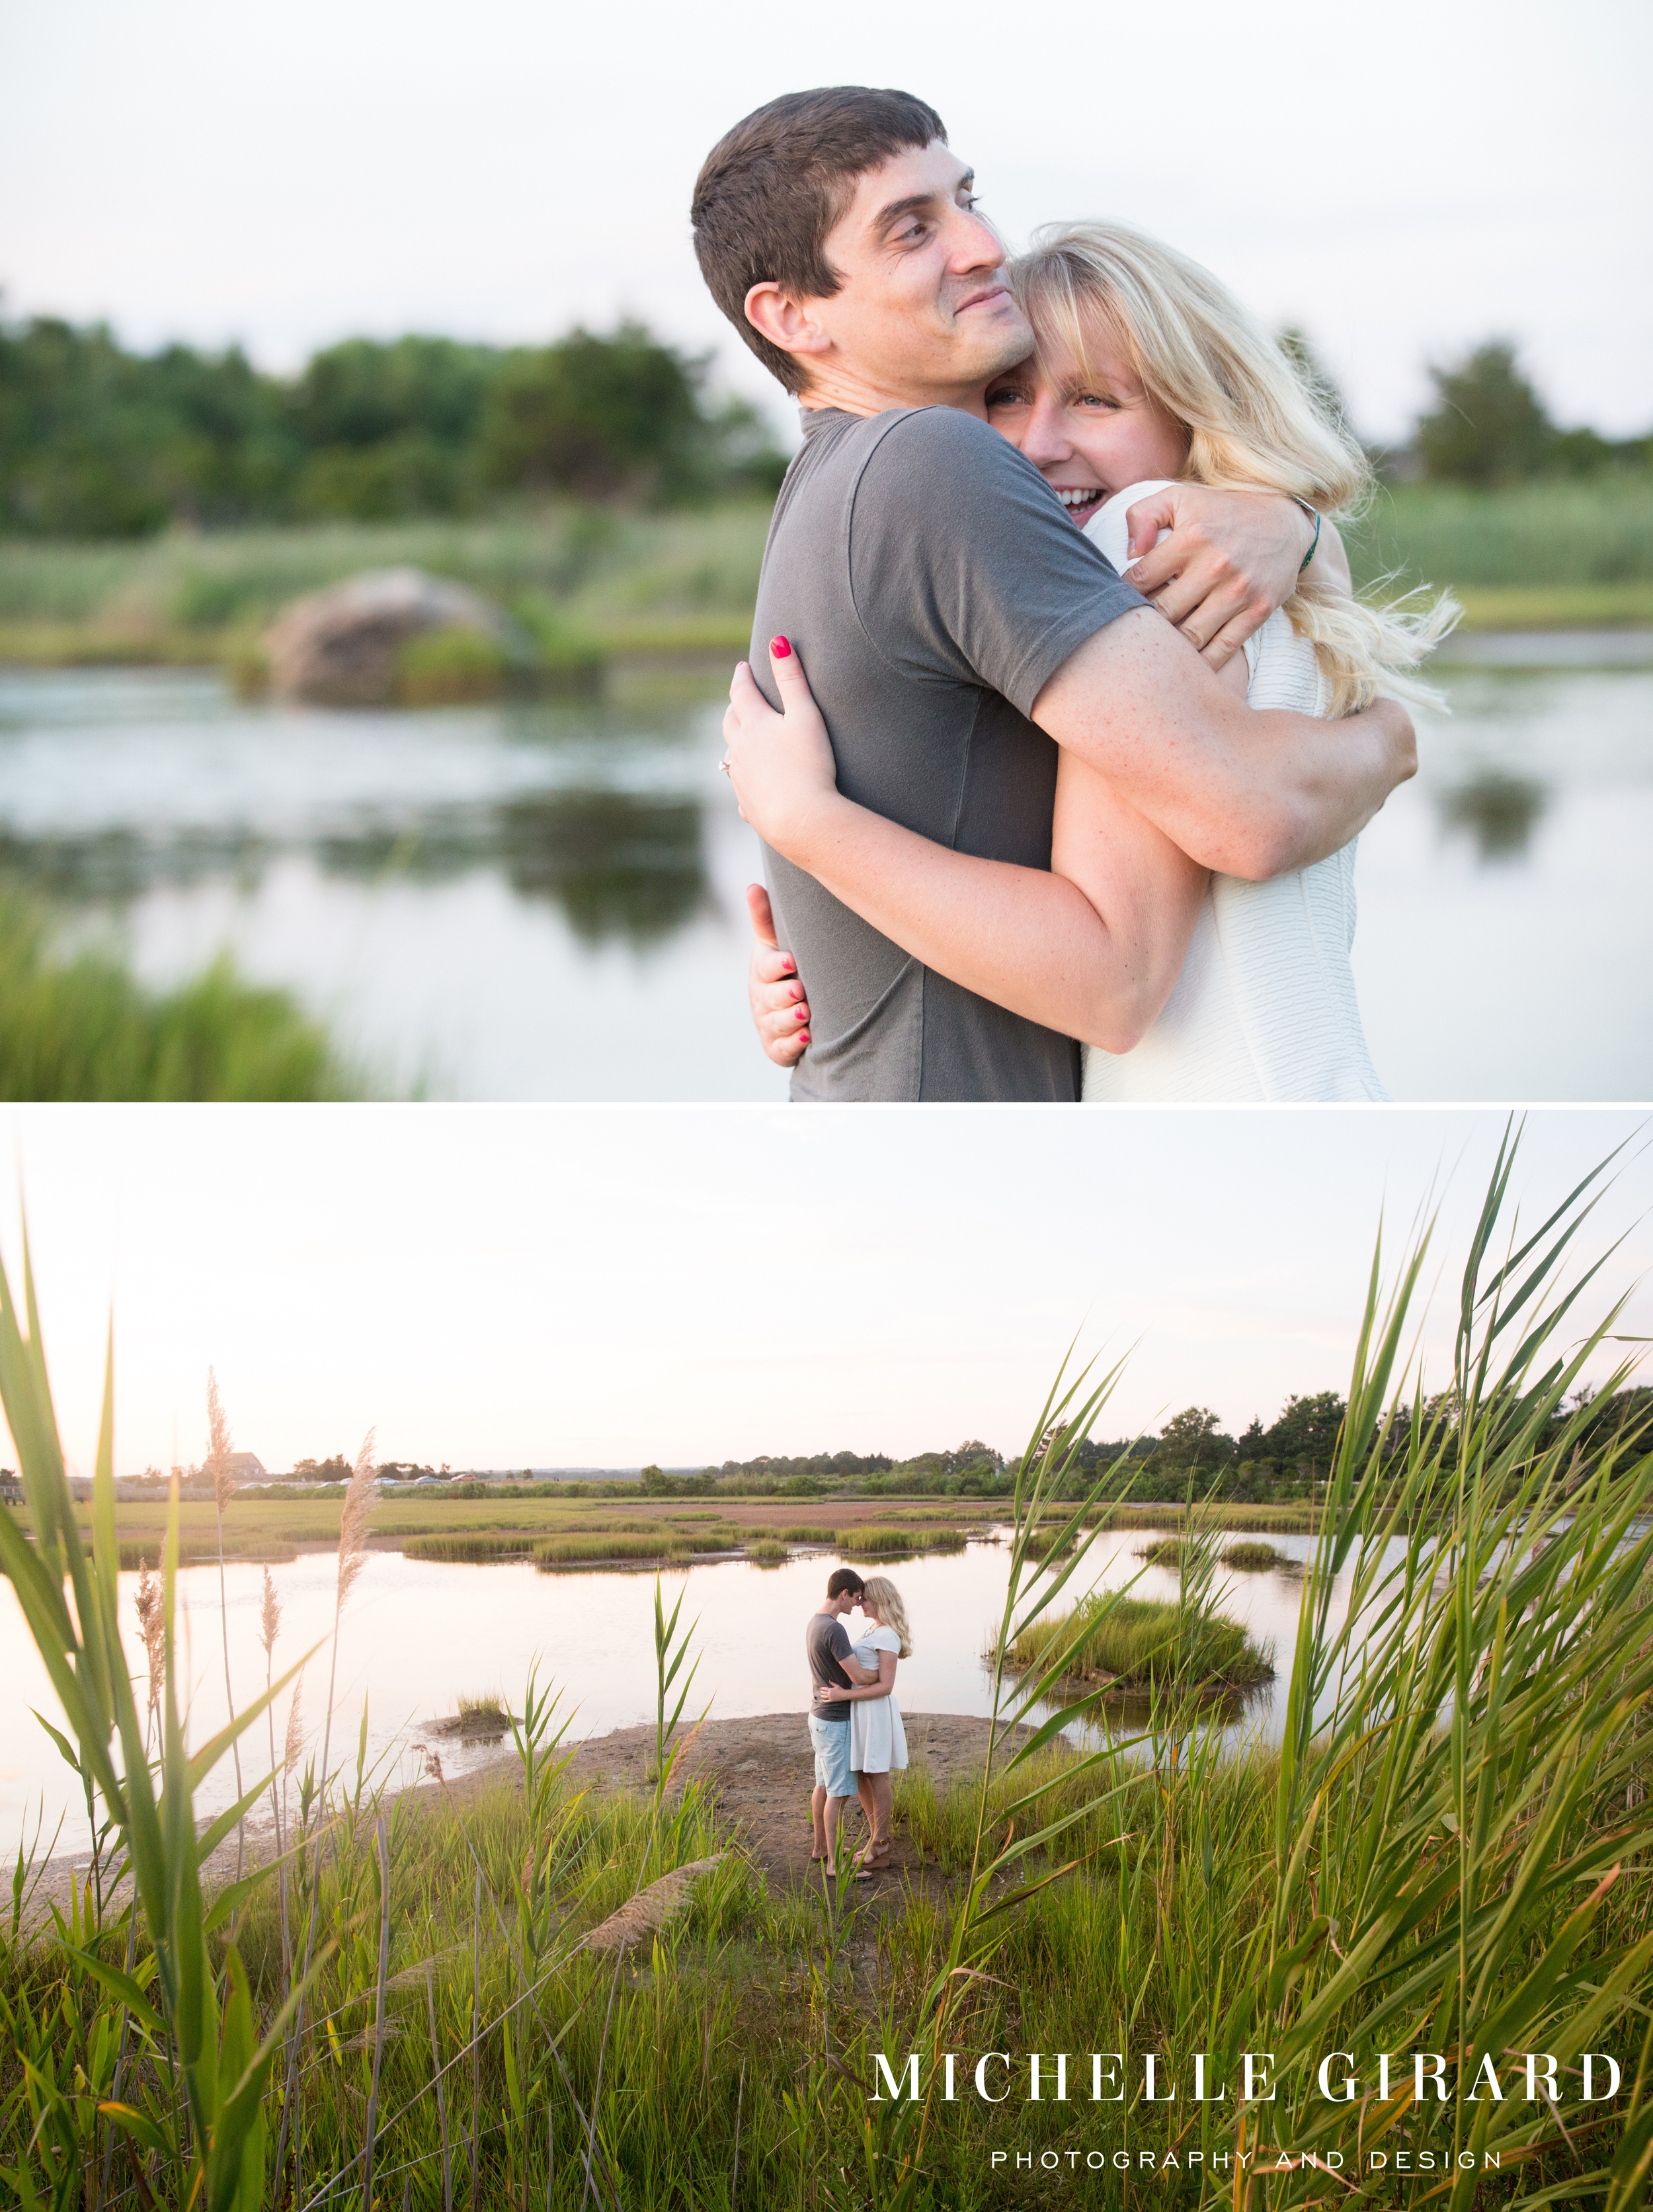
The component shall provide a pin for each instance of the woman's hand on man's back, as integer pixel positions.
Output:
(773, 987)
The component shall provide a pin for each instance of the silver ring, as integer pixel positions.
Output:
(724, 765)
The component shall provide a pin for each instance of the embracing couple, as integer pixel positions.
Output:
(855, 1723)
(1035, 831)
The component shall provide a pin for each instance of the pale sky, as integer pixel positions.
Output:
(1402, 181)
(543, 1286)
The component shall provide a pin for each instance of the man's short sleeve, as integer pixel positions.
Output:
(962, 564)
(838, 1642)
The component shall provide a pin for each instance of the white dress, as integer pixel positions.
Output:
(1265, 1006)
(877, 1740)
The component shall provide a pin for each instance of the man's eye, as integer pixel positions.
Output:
(1007, 395)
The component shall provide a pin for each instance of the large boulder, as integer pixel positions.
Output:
(349, 645)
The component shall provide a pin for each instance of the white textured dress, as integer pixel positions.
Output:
(877, 1742)
(1265, 1006)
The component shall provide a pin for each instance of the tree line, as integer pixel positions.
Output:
(98, 442)
(1191, 1455)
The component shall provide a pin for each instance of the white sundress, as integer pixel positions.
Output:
(877, 1742)
(1265, 1006)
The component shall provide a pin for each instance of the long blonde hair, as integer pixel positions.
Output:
(882, 1593)
(1254, 417)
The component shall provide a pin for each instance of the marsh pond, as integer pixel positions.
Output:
(544, 900)
(419, 1635)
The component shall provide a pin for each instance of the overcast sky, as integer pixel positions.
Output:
(505, 1286)
(1402, 180)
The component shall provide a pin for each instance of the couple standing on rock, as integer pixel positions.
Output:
(855, 1723)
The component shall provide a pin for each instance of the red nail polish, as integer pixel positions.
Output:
(803, 1036)
(788, 966)
(780, 648)
(800, 1015)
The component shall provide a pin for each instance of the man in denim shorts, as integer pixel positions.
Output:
(826, 1643)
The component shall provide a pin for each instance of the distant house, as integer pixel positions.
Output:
(11, 1490)
(245, 1466)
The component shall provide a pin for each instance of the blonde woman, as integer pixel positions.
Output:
(877, 1742)
(1147, 371)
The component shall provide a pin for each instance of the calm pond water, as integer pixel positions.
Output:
(545, 902)
(417, 1635)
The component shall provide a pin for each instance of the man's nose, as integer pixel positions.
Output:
(978, 245)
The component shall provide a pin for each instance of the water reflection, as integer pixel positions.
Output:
(1498, 811)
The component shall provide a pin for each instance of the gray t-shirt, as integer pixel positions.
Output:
(826, 1641)
(928, 577)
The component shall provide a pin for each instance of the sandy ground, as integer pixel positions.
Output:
(762, 1772)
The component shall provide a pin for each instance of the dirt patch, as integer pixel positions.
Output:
(761, 1771)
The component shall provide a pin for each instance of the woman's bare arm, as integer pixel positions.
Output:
(1096, 963)
(871, 1686)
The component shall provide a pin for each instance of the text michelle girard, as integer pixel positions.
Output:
(1099, 2077)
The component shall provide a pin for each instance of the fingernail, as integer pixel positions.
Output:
(798, 1015)
(780, 648)
(797, 991)
(788, 966)
(803, 1036)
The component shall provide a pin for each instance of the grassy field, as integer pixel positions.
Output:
(1542, 556)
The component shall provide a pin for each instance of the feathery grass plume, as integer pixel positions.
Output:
(269, 1617)
(353, 1520)
(152, 1626)
(653, 1908)
(221, 1445)
(294, 1747)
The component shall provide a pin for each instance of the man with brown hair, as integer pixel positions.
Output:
(956, 627)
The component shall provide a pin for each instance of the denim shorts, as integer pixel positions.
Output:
(831, 1742)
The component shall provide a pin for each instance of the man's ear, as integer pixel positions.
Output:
(785, 321)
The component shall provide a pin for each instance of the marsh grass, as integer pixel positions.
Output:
(474, 1547)
(1447, 1852)
(1256, 1558)
(553, 1552)
(892, 1542)
(1136, 1641)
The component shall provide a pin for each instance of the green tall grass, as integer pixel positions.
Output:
(885, 1542)
(553, 1552)
(82, 1027)
(560, 1994)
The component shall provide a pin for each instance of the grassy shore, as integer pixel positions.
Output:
(1546, 556)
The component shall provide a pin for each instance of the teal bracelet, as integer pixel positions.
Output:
(1315, 541)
